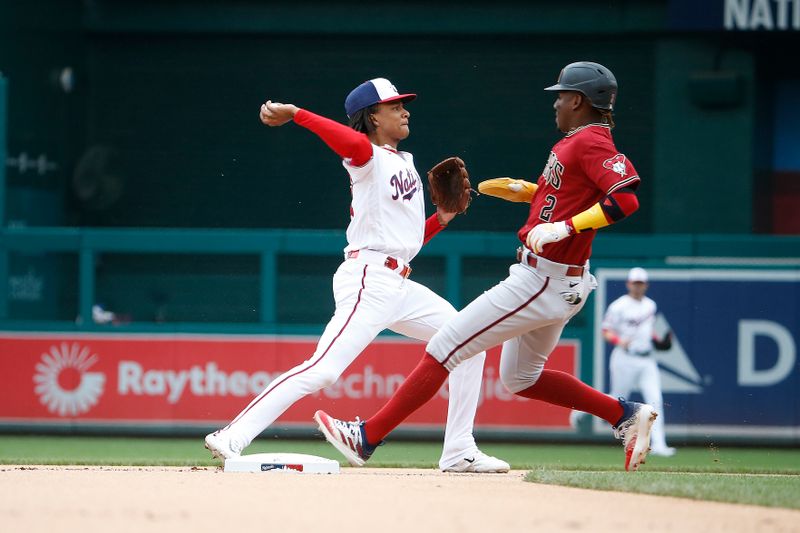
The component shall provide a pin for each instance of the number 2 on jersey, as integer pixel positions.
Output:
(547, 210)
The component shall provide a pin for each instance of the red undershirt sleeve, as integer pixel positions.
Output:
(432, 227)
(345, 141)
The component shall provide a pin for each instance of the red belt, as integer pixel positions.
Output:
(532, 261)
(390, 263)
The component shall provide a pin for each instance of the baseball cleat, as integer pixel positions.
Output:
(347, 437)
(479, 463)
(221, 446)
(634, 430)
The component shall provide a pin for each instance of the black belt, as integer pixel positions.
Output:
(640, 354)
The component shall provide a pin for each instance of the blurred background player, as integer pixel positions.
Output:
(629, 326)
(586, 184)
(371, 287)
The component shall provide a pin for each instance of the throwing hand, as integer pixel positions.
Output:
(276, 114)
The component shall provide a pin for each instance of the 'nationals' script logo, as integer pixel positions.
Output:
(405, 184)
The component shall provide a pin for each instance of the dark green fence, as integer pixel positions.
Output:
(259, 280)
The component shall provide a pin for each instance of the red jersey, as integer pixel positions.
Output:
(583, 167)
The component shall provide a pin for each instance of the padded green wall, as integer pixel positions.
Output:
(3, 120)
(182, 112)
(38, 40)
(703, 145)
(167, 98)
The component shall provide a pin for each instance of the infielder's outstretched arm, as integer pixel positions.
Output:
(348, 143)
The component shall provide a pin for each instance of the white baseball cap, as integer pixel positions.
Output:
(637, 274)
(375, 91)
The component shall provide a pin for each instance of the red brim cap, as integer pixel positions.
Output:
(402, 97)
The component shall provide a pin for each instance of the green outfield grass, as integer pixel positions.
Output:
(759, 476)
(770, 490)
(190, 452)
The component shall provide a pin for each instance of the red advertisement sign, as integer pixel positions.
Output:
(207, 379)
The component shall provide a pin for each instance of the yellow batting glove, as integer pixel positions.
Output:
(509, 189)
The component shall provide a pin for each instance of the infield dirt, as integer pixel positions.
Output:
(162, 499)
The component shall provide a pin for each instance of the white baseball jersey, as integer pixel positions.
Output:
(388, 209)
(632, 320)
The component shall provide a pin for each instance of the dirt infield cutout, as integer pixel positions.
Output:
(169, 499)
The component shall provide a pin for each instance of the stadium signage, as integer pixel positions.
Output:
(735, 15)
(733, 366)
(205, 380)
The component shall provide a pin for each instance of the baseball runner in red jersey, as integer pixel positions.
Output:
(586, 184)
(372, 288)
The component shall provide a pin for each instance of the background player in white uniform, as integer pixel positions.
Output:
(371, 287)
(628, 325)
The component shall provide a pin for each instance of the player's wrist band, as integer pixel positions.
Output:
(592, 218)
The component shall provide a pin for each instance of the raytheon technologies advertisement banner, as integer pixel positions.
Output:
(182, 380)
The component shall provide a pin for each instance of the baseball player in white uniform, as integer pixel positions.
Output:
(371, 287)
(628, 325)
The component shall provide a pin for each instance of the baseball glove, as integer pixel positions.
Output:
(662, 345)
(508, 189)
(449, 185)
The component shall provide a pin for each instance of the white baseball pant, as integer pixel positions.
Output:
(370, 298)
(526, 312)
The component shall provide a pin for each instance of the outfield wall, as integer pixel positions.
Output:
(74, 381)
(732, 374)
(733, 369)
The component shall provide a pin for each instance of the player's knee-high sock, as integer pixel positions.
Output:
(419, 387)
(566, 390)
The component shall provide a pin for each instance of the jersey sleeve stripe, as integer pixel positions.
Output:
(623, 183)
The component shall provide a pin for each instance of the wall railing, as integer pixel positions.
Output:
(453, 247)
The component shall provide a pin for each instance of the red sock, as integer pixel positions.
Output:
(416, 390)
(560, 388)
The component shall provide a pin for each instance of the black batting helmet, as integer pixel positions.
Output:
(593, 80)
